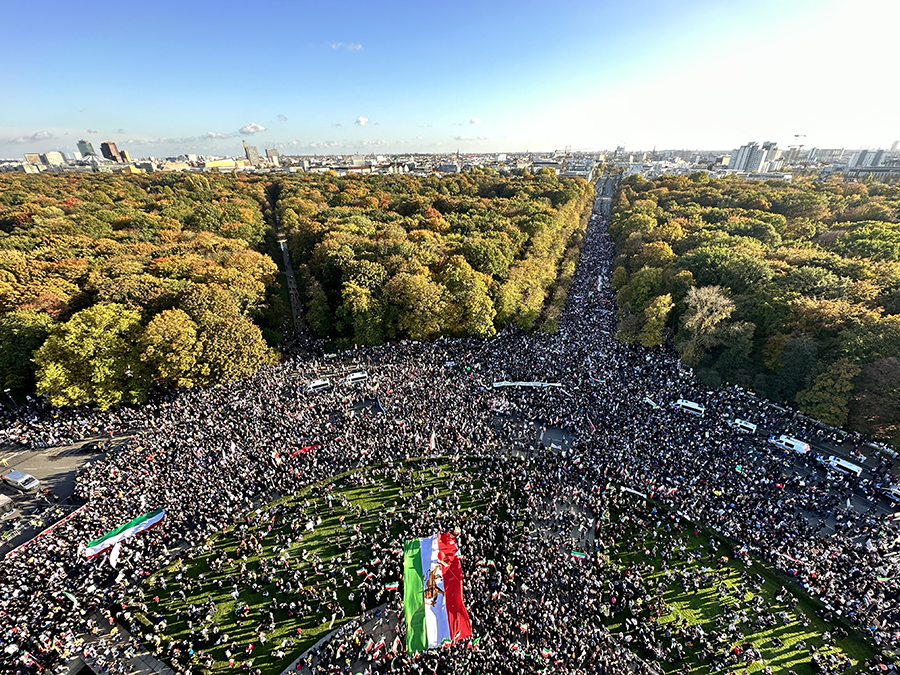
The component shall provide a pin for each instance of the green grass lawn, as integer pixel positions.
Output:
(733, 584)
(372, 506)
(376, 506)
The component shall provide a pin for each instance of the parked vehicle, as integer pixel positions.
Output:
(318, 385)
(689, 406)
(892, 492)
(358, 376)
(790, 444)
(840, 465)
(742, 425)
(24, 482)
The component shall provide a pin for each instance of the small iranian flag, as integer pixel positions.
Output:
(579, 555)
(361, 571)
(432, 593)
(379, 644)
(123, 532)
(369, 645)
(393, 586)
(546, 653)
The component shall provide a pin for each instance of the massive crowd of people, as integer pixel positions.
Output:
(210, 455)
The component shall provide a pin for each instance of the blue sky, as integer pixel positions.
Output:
(163, 78)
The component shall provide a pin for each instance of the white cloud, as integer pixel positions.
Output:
(350, 46)
(362, 121)
(281, 118)
(93, 131)
(120, 131)
(483, 138)
(462, 138)
(35, 137)
(215, 135)
(475, 120)
(252, 128)
(336, 45)
(419, 138)
(354, 46)
(338, 124)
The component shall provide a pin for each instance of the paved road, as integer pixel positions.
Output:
(296, 305)
(56, 468)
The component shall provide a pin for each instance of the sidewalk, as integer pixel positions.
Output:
(143, 662)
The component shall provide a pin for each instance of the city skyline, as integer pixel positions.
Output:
(348, 78)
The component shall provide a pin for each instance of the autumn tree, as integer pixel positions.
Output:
(92, 358)
(828, 397)
(708, 308)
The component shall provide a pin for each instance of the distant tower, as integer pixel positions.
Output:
(894, 146)
(85, 148)
(252, 154)
(110, 151)
(273, 157)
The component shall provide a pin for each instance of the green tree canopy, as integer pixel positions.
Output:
(91, 359)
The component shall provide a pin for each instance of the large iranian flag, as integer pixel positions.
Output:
(123, 532)
(432, 593)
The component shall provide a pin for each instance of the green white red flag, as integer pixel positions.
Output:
(123, 532)
(432, 593)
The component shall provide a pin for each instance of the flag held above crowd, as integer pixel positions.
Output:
(123, 532)
(432, 593)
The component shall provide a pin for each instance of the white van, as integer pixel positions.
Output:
(358, 376)
(742, 425)
(789, 444)
(24, 482)
(689, 406)
(842, 466)
(318, 385)
(892, 492)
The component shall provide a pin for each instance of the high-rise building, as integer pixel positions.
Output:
(53, 158)
(894, 146)
(273, 157)
(861, 159)
(110, 151)
(877, 159)
(125, 156)
(740, 157)
(32, 158)
(252, 154)
(756, 158)
(85, 148)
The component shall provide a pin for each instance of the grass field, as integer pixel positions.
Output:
(732, 585)
(235, 578)
(325, 561)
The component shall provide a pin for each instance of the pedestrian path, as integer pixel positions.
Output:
(104, 653)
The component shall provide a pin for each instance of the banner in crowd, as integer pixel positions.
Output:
(123, 532)
(432, 593)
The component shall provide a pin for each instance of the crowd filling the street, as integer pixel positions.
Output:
(544, 488)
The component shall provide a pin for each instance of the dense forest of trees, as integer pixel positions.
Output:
(386, 257)
(110, 285)
(791, 290)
